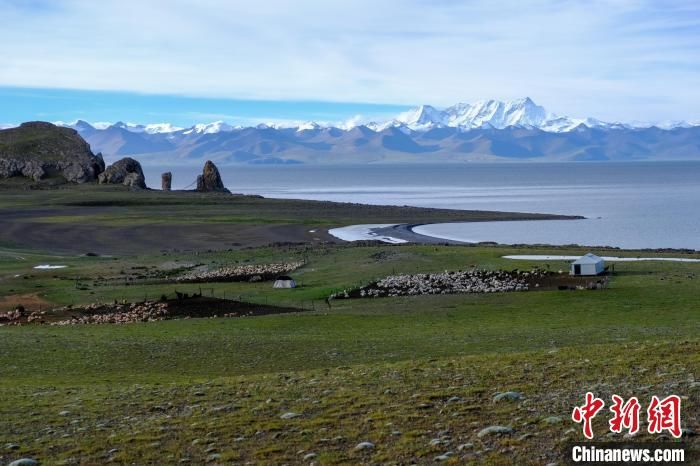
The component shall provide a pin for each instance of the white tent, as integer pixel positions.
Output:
(590, 264)
(284, 282)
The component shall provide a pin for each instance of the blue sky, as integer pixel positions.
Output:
(67, 105)
(186, 61)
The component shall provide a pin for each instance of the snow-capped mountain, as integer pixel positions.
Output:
(309, 125)
(494, 114)
(522, 112)
(666, 124)
(210, 128)
(487, 130)
(482, 114)
(484, 131)
(157, 128)
(485, 114)
(81, 125)
(153, 128)
(422, 118)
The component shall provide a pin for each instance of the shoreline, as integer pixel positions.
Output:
(403, 233)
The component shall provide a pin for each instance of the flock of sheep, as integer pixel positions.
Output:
(148, 311)
(93, 314)
(249, 272)
(472, 281)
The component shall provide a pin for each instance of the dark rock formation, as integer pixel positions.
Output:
(166, 180)
(210, 179)
(126, 171)
(40, 150)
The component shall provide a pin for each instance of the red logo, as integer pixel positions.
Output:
(587, 412)
(665, 415)
(662, 415)
(626, 415)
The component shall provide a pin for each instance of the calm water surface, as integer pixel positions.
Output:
(630, 205)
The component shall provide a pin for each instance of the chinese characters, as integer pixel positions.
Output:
(662, 415)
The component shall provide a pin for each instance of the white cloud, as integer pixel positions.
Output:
(614, 60)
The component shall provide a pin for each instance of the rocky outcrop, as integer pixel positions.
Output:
(166, 180)
(40, 150)
(126, 171)
(210, 180)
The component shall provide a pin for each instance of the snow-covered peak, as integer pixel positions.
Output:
(559, 124)
(401, 126)
(673, 124)
(521, 112)
(666, 124)
(210, 128)
(275, 125)
(131, 127)
(524, 112)
(379, 126)
(423, 117)
(484, 114)
(157, 128)
(309, 125)
(82, 125)
(153, 128)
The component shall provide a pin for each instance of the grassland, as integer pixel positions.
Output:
(112, 220)
(397, 372)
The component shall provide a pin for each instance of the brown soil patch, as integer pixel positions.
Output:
(31, 302)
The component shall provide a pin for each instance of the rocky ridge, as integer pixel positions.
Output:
(39, 150)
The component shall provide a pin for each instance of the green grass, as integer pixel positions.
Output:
(164, 391)
(329, 269)
(637, 307)
(400, 407)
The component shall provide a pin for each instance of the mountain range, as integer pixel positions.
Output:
(488, 130)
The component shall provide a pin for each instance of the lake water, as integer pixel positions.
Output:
(630, 205)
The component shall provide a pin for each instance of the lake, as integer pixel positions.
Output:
(629, 205)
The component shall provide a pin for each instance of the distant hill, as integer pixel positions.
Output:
(489, 130)
(40, 150)
(400, 144)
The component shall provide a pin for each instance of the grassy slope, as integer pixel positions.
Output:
(400, 407)
(645, 301)
(358, 371)
(164, 391)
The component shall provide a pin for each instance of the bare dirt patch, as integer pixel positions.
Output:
(30, 301)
